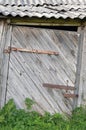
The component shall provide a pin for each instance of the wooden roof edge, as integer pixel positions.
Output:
(48, 22)
(45, 21)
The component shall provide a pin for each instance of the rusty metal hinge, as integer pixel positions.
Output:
(58, 86)
(66, 95)
(9, 49)
(70, 95)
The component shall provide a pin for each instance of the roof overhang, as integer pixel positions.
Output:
(44, 21)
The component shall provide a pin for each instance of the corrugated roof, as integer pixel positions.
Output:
(41, 2)
(47, 8)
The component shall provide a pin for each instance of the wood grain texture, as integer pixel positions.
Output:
(6, 39)
(1, 55)
(28, 72)
(84, 70)
(80, 73)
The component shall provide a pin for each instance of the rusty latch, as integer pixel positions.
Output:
(30, 51)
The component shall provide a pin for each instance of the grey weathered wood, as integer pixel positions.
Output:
(80, 67)
(1, 38)
(33, 79)
(6, 40)
(84, 70)
(27, 72)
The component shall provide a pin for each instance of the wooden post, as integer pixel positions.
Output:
(80, 83)
(84, 70)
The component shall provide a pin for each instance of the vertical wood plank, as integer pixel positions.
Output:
(6, 40)
(84, 70)
(1, 35)
(79, 71)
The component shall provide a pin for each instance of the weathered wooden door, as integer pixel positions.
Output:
(28, 71)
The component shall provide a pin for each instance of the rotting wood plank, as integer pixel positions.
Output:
(59, 86)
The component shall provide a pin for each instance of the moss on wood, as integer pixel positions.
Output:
(48, 22)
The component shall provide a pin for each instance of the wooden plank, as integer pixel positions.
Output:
(79, 71)
(59, 86)
(1, 56)
(5, 61)
(46, 22)
(84, 70)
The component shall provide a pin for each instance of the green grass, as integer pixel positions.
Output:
(17, 119)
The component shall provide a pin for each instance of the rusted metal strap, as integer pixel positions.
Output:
(70, 95)
(30, 51)
(59, 86)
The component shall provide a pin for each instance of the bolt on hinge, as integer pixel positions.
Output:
(7, 50)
